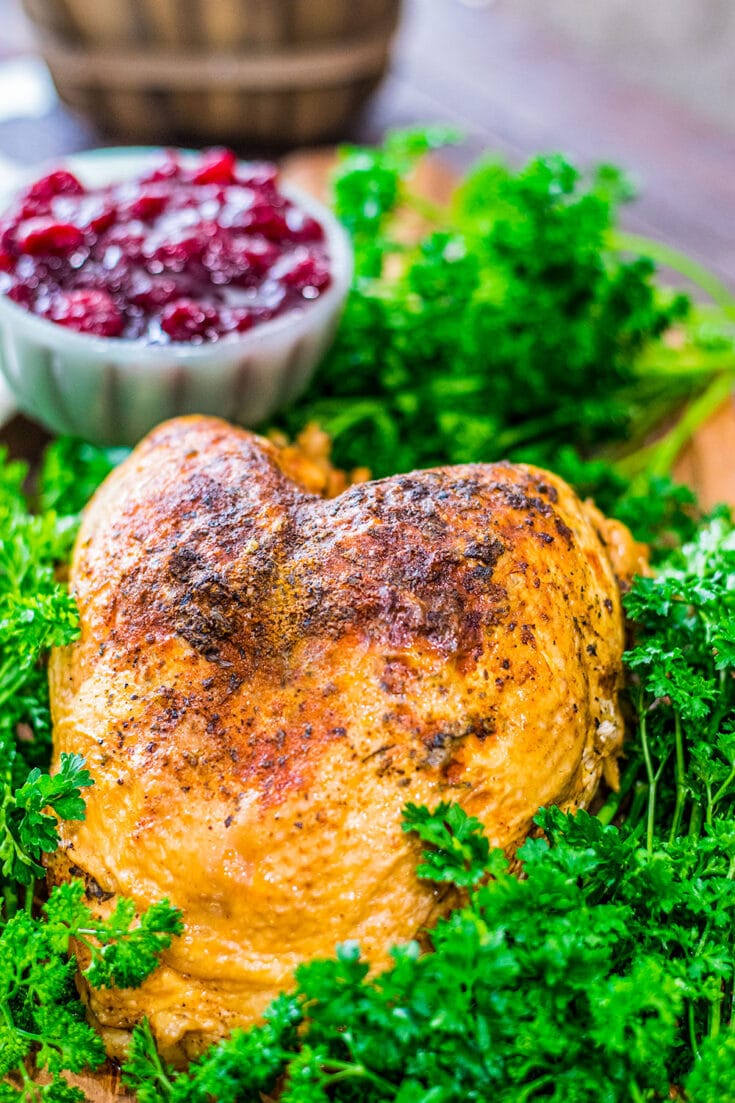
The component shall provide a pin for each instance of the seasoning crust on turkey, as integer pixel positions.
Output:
(265, 677)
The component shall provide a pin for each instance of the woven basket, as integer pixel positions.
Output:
(273, 72)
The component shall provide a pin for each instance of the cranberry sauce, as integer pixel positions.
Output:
(191, 251)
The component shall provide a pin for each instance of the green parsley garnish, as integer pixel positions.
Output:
(459, 851)
(41, 1015)
(523, 323)
(27, 830)
(42, 1022)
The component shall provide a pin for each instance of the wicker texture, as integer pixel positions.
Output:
(265, 71)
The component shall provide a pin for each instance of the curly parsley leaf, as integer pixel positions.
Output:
(509, 327)
(36, 613)
(683, 664)
(42, 1017)
(369, 184)
(460, 852)
(71, 471)
(27, 830)
(145, 1071)
(711, 1080)
(123, 948)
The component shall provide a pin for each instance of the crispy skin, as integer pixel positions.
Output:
(265, 677)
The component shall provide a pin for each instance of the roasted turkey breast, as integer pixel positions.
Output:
(265, 677)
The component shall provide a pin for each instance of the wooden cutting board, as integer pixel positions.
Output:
(708, 463)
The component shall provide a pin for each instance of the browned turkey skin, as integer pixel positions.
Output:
(265, 677)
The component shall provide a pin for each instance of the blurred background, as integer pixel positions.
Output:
(650, 86)
(684, 48)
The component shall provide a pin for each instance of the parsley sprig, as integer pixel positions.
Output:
(123, 948)
(27, 831)
(41, 1017)
(521, 321)
(459, 851)
(36, 613)
(683, 663)
(42, 1022)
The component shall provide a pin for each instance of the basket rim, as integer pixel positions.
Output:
(283, 69)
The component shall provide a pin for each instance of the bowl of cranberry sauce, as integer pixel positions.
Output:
(137, 285)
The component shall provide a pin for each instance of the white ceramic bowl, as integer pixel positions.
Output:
(112, 390)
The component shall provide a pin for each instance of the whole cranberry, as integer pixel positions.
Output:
(7, 246)
(46, 237)
(102, 218)
(22, 294)
(216, 167)
(184, 319)
(7, 235)
(147, 206)
(306, 272)
(87, 312)
(302, 227)
(263, 218)
(39, 195)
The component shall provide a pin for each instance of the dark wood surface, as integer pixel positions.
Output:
(518, 90)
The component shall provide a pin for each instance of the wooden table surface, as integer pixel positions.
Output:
(514, 89)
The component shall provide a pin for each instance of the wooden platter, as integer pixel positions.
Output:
(707, 464)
